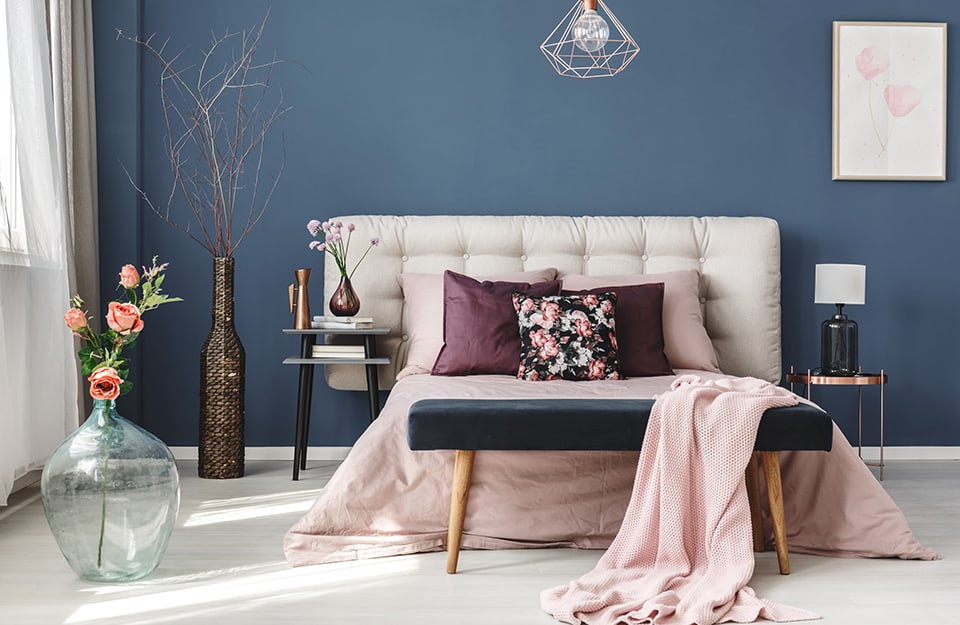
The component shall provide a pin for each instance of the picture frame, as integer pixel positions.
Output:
(889, 100)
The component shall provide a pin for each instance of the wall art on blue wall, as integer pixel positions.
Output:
(889, 100)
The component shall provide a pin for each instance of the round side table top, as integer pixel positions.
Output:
(814, 377)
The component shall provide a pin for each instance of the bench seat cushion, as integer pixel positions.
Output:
(583, 424)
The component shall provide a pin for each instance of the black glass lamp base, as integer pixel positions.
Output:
(838, 346)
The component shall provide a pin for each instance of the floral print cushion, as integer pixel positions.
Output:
(567, 337)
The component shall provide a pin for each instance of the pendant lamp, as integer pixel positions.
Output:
(589, 42)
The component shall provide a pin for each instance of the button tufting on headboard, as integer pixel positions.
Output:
(738, 257)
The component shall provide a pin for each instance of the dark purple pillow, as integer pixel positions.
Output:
(639, 328)
(480, 329)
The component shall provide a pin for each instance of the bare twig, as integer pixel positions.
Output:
(216, 125)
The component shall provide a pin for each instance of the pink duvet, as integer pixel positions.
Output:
(387, 500)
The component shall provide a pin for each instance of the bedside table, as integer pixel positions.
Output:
(812, 378)
(308, 338)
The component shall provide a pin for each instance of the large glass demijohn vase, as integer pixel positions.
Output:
(111, 493)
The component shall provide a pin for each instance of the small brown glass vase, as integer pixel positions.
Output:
(344, 301)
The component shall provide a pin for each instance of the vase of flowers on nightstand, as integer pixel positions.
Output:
(344, 302)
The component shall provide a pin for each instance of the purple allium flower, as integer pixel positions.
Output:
(351, 227)
(334, 236)
(322, 247)
(339, 224)
(313, 226)
(325, 226)
(315, 244)
(375, 241)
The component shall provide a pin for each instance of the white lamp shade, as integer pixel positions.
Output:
(840, 284)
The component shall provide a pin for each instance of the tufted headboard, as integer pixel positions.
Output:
(738, 258)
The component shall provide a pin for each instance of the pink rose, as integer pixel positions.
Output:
(606, 307)
(527, 306)
(550, 310)
(596, 369)
(129, 277)
(538, 338)
(75, 319)
(124, 318)
(584, 328)
(549, 349)
(590, 300)
(105, 383)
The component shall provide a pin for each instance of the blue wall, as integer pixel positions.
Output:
(450, 108)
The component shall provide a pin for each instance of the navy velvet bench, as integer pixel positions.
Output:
(469, 425)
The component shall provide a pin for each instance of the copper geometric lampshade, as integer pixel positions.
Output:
(590, 42)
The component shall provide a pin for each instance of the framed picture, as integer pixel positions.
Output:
(889, 100)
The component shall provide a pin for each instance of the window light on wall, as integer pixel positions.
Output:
(589, 42)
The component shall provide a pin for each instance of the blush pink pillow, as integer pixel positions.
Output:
(423, 313)
(685, 339)
(480, 329)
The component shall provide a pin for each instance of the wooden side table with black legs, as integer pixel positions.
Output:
(812, 378)
(307, 362)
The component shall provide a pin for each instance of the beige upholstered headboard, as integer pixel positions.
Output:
(738, 258)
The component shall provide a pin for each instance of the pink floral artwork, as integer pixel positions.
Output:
(901, 99)
(871, 62)
(889, 104)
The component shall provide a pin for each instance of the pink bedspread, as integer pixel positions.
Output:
(684, 553)
(387, 500)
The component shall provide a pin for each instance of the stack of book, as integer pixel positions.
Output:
(343, 323)
(338, 351)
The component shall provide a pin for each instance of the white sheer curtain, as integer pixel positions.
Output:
(38, 375)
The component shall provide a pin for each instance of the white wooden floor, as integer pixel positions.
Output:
(225, 565)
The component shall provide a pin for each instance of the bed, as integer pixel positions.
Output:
(721, 317)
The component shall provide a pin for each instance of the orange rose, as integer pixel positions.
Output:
(124, 318)
(129, 277)
(105, 383)
(75, 319)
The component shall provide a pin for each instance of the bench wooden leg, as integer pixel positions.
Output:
(753, 495)
(771, 471)
(462, 471)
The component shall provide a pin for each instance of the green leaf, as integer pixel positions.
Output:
(125, 387)
(85, 352)
(87, 367)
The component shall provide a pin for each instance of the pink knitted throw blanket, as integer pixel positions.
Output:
(684, 553)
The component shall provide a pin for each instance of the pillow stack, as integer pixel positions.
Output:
(523, 324)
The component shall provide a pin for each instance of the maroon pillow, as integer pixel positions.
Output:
(639, 328)
(480, 329)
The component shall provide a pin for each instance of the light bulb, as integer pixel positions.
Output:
(590, 31)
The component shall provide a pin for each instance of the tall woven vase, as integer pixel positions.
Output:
(222, 363)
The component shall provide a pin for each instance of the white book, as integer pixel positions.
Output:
(330, 319)
(326, 347)
(352, 353)
(340, 325)
(343, 355)
(323, 347)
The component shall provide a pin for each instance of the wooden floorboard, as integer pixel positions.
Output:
(225, 565)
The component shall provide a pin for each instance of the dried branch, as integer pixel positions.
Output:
(216, 126)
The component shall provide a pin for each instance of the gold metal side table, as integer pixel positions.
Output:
(812, 378)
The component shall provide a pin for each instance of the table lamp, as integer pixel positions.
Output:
(839, 285)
